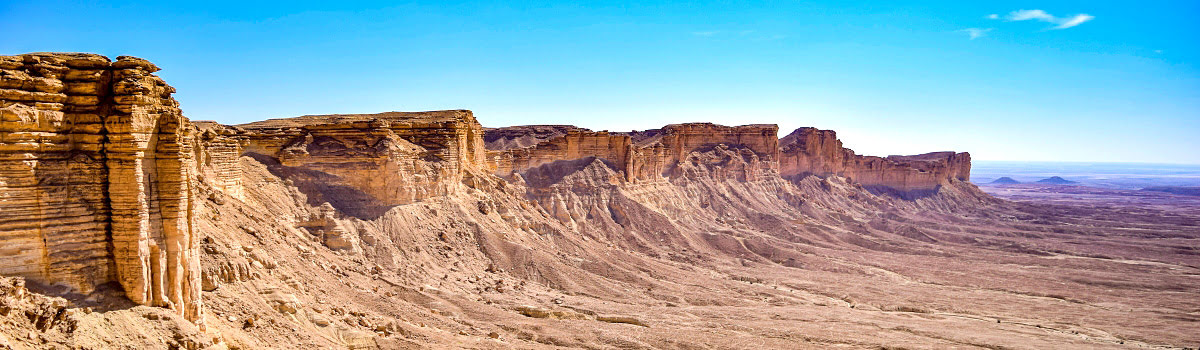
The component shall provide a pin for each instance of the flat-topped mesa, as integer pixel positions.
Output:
(640, 155)
(364, 164)
(96, 178)
(809, 151)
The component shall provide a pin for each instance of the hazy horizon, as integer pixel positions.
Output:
(1043, 81)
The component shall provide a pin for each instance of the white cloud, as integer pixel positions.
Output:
(1043, 16)
(1025, 15)
(976, 33)
(1074, 21)
(993, 16)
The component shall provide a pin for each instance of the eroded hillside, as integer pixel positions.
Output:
(426, 230)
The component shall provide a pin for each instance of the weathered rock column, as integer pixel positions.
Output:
(150, 183)
(96, 153)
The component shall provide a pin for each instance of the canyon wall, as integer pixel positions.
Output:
(96, 178)
(639, 155)
(367, 163)
(99, 168)
(654, 154)
(809, 151)
(573, 143)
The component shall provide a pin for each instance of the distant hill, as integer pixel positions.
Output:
(1055, 180)
(1188, 191)
(1005, 181)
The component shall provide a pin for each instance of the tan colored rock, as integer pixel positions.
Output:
(365, 164)
(639, 155)
(105, 161)
(809, 151)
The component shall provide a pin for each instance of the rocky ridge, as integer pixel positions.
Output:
(423, 229)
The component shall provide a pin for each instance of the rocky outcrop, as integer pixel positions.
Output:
(574, 143)
(523, 136)
(655, 154)
(96, 176)
(217, 152)
(809, 151)
(640, 155)
(364, 164)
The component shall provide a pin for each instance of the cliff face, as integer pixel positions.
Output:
(654, 154)
(365, 164)
(573, 143)
(639, 155)
(96, 178)
(809, 151)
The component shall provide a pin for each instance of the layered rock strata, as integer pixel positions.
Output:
(653, 154)
(809, 151)
(96, 178)
(364, 164)
(217, 153)
(639, 155)
(99, 169)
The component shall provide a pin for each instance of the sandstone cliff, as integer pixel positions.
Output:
(809, 151)
(96, 177)
(364, 164)
(654, 154)
(640, 155)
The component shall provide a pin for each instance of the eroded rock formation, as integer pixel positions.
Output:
(364, 164)
(809, 151)
(639, 155)
(98, 168)
(96, 177)
(654, 154)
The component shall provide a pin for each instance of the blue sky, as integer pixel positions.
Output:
(1039, 80)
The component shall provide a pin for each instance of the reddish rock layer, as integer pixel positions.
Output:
(653, 154)
(809, 151)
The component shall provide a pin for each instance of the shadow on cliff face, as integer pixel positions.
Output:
(106, 297)
(552, 173)
(321, 187)
(906, 195)
(878, 190)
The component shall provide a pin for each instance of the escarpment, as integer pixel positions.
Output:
(364, 164)
(639, 155)
(96, 177)
(809, 151)
(426, 230)
(102, 179)
(654, 154)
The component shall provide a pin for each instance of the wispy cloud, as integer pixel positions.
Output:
(976, 33)
(1043, 16)
(706, 33)
(1025, 15)
(1074, 21)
